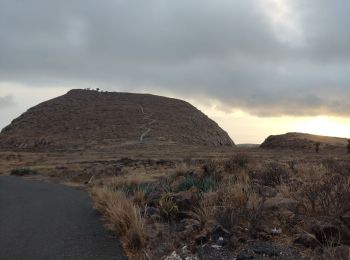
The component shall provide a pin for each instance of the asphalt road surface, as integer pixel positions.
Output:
(40, 220)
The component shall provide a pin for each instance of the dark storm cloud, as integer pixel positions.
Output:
(225, 50)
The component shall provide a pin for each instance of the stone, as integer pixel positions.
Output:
(219, 232)
(286, 214)
(339, 253)
(191, 224)
(221, 241)
(153, 197)
(265, 249)
(276, 231)
(279, 202)
(173, 256)
(186, 200)
(346, 218)
(245, 256)
(188, 214)
(331, 231)
(201, 238)
(151, 211)
(307, 240)
(267, 191)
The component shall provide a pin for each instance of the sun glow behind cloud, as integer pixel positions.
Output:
(246, 128)
(325, 125)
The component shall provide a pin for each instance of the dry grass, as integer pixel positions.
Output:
(232, 205)
(123, 217)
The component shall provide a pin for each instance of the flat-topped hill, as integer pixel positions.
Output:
(88, 118)
(302, 141)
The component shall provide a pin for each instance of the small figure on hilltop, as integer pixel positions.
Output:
(348, 146)
(317, 147)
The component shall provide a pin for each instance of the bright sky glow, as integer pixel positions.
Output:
(325, 125)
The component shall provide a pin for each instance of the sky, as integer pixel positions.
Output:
(257, 67)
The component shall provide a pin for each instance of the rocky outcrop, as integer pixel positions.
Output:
(91, 119)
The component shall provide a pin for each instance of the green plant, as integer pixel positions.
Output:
(165, 183)
(132, 188)
(23, 172)
(204, 183)
(168, 207)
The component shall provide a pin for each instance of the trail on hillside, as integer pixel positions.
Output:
(149, 121)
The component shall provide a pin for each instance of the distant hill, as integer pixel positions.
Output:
(302, 141)
(89, 118)
(247, 145)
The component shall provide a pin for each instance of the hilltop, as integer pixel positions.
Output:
(302, 141)
(86, 119)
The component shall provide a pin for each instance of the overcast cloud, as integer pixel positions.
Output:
(267, 57)
(6, 101)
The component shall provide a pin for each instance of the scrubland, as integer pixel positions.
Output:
(239, 207)
(201, 203)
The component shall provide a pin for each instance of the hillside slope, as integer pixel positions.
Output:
(88, 118)
(302, 141)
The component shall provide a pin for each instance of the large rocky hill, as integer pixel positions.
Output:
(302, 141)
(88, 118)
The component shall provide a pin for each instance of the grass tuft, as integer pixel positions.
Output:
(124, 217)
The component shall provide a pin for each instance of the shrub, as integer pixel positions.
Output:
(273, 174)
(23, 172)
(237, 162)
(204, 183)
(293, 165)
(240, 206)
(165, 183)
(334, 166)
(124, 217)
(233, 205)
(327, 195)
(211, 167)
(348, 146)
(133, 188)
(168, 207)
(317, 147)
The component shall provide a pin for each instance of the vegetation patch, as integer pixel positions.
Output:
(123, 217)
(224, 203)
(23, 172)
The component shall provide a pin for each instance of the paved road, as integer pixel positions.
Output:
(40, 220)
